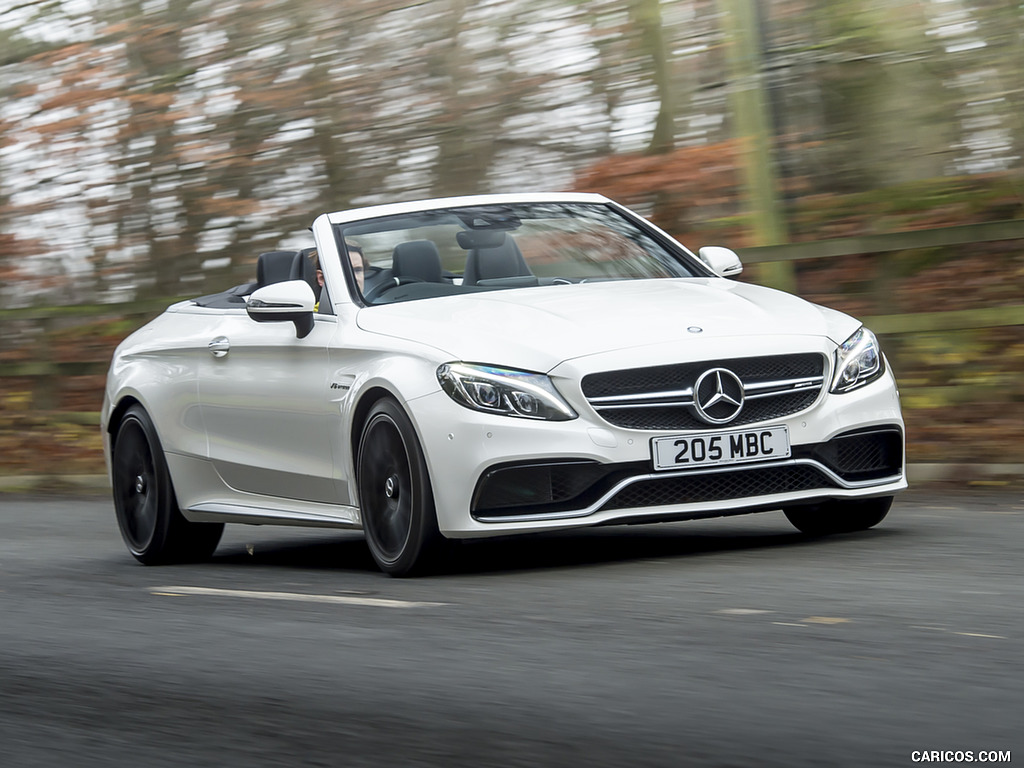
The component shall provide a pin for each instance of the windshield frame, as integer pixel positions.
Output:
(504, 213)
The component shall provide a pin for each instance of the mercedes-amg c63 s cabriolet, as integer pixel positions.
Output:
(493, 365)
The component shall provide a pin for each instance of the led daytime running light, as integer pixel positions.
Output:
(858, 361)
(504, 392)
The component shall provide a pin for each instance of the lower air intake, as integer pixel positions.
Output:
(721, 486)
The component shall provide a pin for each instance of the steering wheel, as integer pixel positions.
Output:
(378, 290)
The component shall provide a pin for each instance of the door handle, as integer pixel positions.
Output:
(219, 347)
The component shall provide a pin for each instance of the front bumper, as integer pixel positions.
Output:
(565, 489)
(494, 475)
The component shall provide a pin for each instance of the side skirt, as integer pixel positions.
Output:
(220, 512)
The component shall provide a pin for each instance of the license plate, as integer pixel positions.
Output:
(717, 448)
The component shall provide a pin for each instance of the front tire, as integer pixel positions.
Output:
(395, 497)
(151, 524)
(839, 515)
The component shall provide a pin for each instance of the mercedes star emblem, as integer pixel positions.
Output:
(718, 396)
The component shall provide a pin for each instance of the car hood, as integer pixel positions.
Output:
(538, 328)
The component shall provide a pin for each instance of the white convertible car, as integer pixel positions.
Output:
(492, 365)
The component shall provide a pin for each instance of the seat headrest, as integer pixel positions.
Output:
(417, 258)
(302, 266)
(274, 267)
(480, 238)
(493, 262)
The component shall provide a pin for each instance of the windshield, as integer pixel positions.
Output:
(500, 247)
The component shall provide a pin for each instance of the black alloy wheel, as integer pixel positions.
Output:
(839, 515)
(395, 497)
(151, 524)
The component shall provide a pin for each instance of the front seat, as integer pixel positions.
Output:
(492, 254)
(303, 269)
(274, 267)
(418, 260)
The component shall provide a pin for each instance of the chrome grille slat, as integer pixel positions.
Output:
(612, 400)
(782, 386)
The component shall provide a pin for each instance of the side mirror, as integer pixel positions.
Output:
(722, 261)
(291, 301)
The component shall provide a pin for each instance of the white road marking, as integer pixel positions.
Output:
(789, 624)
(742, 611)
(825, 620)
(299, 597)
(964, 634)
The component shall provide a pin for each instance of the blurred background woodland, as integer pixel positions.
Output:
(863, 153)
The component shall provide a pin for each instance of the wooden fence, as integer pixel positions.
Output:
(32, 385)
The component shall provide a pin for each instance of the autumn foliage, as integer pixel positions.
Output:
(692, 192)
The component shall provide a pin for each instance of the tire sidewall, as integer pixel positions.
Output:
(840, 515)
(423, 523)
(166, 505)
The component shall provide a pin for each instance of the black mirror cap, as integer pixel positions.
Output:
(303, 320)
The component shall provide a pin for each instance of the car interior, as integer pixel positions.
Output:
(491, 255)
(444, 253)
(271, 267)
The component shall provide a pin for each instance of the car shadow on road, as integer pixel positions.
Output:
(322, 551)
(565, 549)
(608, 546)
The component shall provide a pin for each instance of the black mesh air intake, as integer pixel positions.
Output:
(546, 487)
(861, 455)
(721, 486)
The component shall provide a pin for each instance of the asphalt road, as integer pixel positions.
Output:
(726, 643)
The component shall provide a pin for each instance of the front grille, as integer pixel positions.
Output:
(720, 486)
(776, 386)
(684, 417)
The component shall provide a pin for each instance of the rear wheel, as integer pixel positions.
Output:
(395, 498)
(839, 515)
(151, 524)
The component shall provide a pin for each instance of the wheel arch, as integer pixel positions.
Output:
(402, 378)
(127, 401)
(393, 486)
(363, 406)
(117, 413)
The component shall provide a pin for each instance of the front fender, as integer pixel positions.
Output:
(404, 378)
(157, 367)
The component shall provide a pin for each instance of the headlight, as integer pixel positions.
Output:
(858, 361)
(503, 391)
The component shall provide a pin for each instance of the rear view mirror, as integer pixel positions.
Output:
(291, 301)
(722, 261)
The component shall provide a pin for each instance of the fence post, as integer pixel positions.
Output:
(754, 131)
